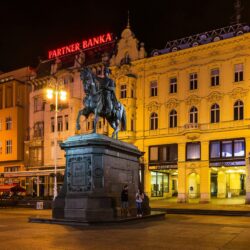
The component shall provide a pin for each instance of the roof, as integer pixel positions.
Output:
(203, 38)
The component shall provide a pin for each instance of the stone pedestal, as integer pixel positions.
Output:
(97, 167)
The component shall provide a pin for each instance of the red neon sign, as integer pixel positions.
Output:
(85, 44)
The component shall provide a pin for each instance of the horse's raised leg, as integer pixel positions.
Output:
(78, 127)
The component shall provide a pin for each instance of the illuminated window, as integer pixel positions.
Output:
(153, 88)
(123, 91)
(52, 124)
(238, 110)
(153, 121)
(238, 72)
(233, 148)
(193, 115)
(38, 129)
(173, 119)
(193, 151)
(215, 113)
(215, 149)
(173, 85)
(8, 123)
(8, 146)
(215, 77)
(227, 149)
(38, 104)
(59, 123)
(193, 80)
(66, 122)
(153, 154)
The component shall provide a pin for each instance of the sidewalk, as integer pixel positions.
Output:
(233, 206)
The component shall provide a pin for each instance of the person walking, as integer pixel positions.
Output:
(139, 199)
(124, 201)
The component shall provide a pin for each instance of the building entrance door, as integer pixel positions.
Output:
(214, 184)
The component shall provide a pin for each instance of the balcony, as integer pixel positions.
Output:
(192, 130)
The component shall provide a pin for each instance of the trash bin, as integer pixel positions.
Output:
(39, 205)
(229, 195)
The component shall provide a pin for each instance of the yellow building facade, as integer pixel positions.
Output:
(14, 106)
(188, 110)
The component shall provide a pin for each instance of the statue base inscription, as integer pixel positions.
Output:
(97, 167)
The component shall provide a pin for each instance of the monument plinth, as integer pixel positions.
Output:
(97, 167)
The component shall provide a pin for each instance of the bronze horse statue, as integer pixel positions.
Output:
(101, 101)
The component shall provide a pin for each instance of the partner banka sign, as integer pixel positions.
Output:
(84, 44)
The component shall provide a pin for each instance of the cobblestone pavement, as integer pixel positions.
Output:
(175, 232)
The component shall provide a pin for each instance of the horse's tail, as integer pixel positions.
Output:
(123, 120)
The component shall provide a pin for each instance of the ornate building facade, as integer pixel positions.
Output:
(188, 110)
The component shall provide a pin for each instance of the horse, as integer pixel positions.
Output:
(94, 104)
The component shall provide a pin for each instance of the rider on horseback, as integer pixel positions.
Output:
(107, 92)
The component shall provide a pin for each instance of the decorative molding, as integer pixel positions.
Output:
(172, 103)
(153, 106)
(238, 93)
(193, 100)
(214, 97)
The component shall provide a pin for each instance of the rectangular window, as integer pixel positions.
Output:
(193, 79)
(132, 93)
(227, 149)
(8, 146)
(163, 153)
(239, 147)
(99, 124)
(215, 77)
(38, 104)
(1, 125)
(153, 154)
(66, 122)
(193, 151)
(173, 85)
(153, 88)
(52, 124)
(215, 149)
(123, 91)
(1, 97)
(59, 123)
(9, 97)
(132, 125)
(1, 147)
(8, 123)
(238, 72)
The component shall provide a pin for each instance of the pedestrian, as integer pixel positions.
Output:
(124, 201)
(139, 199)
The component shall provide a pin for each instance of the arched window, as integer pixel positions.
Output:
(238, 110)
(215, 113)
(173, 119)
(153, 121)
(193, 115)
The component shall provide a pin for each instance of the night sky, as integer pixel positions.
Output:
(30, 28)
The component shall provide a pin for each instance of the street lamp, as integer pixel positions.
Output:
(56, 91)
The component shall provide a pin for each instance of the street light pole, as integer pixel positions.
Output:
(55, 141)
(56, 91)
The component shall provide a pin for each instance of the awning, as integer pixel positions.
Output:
(12, 188)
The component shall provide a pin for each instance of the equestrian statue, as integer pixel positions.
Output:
(100, 100)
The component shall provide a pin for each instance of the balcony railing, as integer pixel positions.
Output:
(191, 126)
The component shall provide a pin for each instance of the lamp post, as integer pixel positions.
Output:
(56, 91)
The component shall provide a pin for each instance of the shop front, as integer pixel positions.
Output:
(228, 168)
